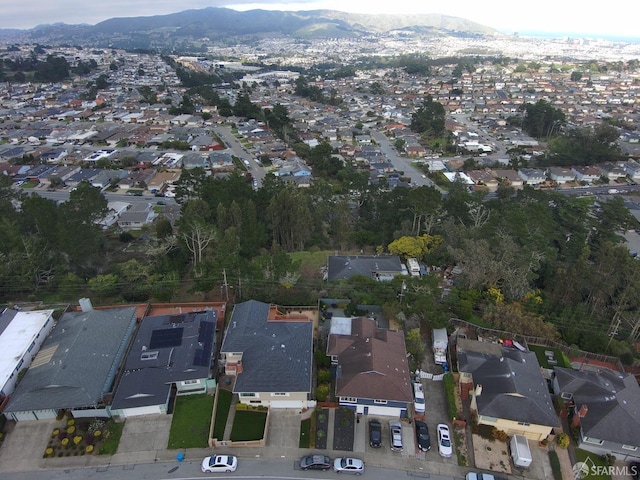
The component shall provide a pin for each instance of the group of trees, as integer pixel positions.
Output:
(532, 262)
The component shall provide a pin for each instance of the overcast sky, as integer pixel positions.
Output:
(562, 16)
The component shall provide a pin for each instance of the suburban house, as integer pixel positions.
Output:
(507, 388)
(170, 355)
(532, 176)
(586, 174)
(606, 410)
(76, 366)
(561, 174)
(135, 219)
(509, 177)
(381, 268)
(370, 367)
(270, 355)
(21, 335)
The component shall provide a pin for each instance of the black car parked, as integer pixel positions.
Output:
(375, 433)
(422, 436)
(315, 462)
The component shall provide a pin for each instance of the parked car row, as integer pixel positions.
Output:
(395, 434)
(229, 463)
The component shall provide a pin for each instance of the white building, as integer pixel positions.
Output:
(21, 335)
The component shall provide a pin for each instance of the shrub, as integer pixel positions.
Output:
(97, 433)
(500, 435)
(449, 386)
(48, 451)
(96, 424)
(71, 429)
(62, 436)
(77, 439)
(324, 376)
(64, 442)
(89, 449)
(89, 439)
(322, 392)
(71, 422)
(56, 432)
(562, 440)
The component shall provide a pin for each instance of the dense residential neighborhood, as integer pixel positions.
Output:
(322, 227)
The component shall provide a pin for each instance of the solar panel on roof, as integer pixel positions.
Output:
(205, 331)
(166, 337)
(198, 358)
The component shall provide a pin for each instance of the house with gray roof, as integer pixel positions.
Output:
(606, 410)
(381, 268)
(507, 389)
(170, 355)
(76, 366)
(269, 354)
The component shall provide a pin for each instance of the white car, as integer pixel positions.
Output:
(444, 441)
(418, 394)
(395, 435)
(219, 463)
(479, 476)
(348, 465)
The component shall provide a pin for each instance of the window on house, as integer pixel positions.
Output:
(279, 394)
(247, 394)
(524, 424)
(566, 396)
(489, 419)
(348, 399)
(595, 441)
(149, 355)
(190, 382)
(380, 402)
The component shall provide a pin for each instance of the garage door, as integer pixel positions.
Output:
(384, 411)
(34, 415)
(287, 404)
(134, 412)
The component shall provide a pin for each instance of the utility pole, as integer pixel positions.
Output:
(613, 328)
(225, 284)
(402, 290)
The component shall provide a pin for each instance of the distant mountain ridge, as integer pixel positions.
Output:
(218, 23)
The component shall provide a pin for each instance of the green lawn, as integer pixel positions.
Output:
(224, 404)
(311, 261)
(191, 421)
(248, 425)
(560, 357)
(305, 433)
(109, 445)
(584, 456)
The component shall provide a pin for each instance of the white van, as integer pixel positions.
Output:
(520, 452)
(418, 394)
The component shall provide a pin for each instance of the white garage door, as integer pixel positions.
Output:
(34, 415)
(286, 404)
(384, 411)
(134, 412)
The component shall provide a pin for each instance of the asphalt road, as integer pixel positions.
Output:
(247, 469)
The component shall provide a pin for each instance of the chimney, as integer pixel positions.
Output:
(579, 414)
(478, 391)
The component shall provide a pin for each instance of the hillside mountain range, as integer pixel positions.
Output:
(217, 24)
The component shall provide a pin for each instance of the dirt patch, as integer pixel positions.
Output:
(491, 455)
(322, 428)
(344, 430)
